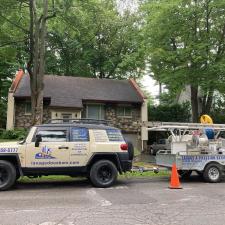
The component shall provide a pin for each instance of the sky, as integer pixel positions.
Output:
(150, 85)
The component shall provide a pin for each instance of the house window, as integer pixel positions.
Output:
(124, 111)
(66, 117)
(28, 110)
(95, 112)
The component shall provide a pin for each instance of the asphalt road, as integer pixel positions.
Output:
(131, 201)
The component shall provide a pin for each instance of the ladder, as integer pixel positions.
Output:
(176, 125)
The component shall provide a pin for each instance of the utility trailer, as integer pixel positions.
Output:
(194, 147)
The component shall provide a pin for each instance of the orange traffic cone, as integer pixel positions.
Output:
(174, 180)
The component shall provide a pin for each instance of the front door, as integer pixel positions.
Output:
(53, 150)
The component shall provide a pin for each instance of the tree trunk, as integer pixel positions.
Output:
(194, 103)
(207, 102)
(36, 62)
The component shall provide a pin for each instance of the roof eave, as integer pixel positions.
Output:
(16, 81)
(137, 89)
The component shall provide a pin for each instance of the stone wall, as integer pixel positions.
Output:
(23, 120)
(127, 125)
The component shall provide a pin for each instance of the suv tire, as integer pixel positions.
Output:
(130, 150)
(103, 173)
(212, 173)
(7, 175)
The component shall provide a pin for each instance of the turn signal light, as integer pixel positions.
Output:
(124, 147)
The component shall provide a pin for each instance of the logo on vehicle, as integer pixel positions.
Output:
(46, 153)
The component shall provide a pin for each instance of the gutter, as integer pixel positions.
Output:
(16, 81)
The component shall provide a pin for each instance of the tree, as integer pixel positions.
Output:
(19, 15)
(36, 63)
(12, 39)
(186, 42)
(91, 38)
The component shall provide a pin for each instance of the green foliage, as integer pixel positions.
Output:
(185, 41)
(181, 44)
(167, 98)
(16, 134)
(169, 113)
(89, 38)
(12, 49)
(217, 113)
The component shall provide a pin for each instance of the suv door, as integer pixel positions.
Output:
(53, 149)
(79, 146)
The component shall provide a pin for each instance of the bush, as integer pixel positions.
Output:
(170, 113)
(16, 134)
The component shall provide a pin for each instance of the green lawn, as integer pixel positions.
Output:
(48, 179)
(68, 178)
(8, 140)
(145, 174)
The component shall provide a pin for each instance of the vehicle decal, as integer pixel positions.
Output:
(79, 134)
(44, 154)
(201, 158)
(58, 163)
(79, 149)
(100, 136)
(114, 135)
(8, 150)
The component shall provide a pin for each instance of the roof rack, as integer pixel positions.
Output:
(82, 121)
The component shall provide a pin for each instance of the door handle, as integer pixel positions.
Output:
(63, 147)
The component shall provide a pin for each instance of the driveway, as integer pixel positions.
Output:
(137, 201)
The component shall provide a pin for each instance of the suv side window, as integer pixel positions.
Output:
(53, 135)
(79, 134)
(114, 135)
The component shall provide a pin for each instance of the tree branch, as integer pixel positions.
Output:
(12, 42)
(220, 45)
(53, 10)
(14, 24)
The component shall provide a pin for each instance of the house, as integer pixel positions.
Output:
(119, 101)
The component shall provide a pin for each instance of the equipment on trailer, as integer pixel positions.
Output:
(194, 147)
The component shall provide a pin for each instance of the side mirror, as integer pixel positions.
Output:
(21, 138)
(38, 140)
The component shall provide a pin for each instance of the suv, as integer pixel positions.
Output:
(96, 151)
(161, 144)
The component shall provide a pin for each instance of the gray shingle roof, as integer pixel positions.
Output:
(66, 91)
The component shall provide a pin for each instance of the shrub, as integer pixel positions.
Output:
(14, 134)
(170, 113)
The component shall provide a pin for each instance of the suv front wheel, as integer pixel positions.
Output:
(7, 175)
(103, 173)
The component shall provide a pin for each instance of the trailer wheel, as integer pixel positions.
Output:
(212, 173)
(185, 174)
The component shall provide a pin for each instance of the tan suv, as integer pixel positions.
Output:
(96, 151)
